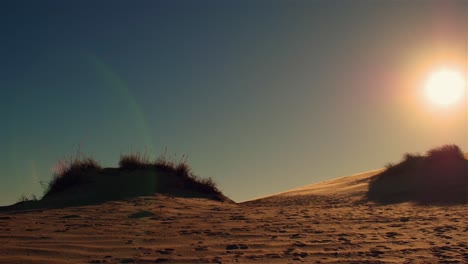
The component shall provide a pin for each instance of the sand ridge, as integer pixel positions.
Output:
(349, 185)
(279, 229)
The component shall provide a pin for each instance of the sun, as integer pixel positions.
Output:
(445, 87)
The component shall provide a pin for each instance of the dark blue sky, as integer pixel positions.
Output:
(263, 96)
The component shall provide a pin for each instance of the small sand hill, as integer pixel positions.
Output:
(440, 176)
(85, 183)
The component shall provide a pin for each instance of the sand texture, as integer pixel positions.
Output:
(328, 222)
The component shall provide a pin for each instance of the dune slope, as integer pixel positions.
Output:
(328, 222)
(321, 223)
(346, 189)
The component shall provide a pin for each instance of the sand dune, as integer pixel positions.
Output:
(321, 223)
(350, 186)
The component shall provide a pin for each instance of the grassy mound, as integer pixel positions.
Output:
(82, 181)
(440, 176)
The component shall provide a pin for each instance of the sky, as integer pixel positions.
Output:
(263, 96)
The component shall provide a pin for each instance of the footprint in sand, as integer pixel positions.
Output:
(201, 248)
(166, 251)
(236, 247)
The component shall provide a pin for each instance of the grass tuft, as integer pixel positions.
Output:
(389, 165)
(135, 161)
(71, 172)
(23, 198)
(446, 152)
(409, 157)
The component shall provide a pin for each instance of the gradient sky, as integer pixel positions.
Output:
(263, 96)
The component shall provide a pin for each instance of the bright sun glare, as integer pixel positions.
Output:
(445, 87)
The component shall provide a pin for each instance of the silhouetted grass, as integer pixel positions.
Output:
(446, 152)
(136, 175)
(390, 165)
(71, 172)
(411, 157)
(205, 185)
(441, 176)
(170, 165)
(135, 161)
(183, 170)
(23, 198)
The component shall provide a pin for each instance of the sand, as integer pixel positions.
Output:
(321, 223)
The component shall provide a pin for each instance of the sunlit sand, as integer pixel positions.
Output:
(327, 222)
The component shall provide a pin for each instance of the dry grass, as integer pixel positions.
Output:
(446, 152)
(170, 176)
(135, 161)
(71, 172)
(24, 198)
(440, 176)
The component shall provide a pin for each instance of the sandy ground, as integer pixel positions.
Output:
(321, 223)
